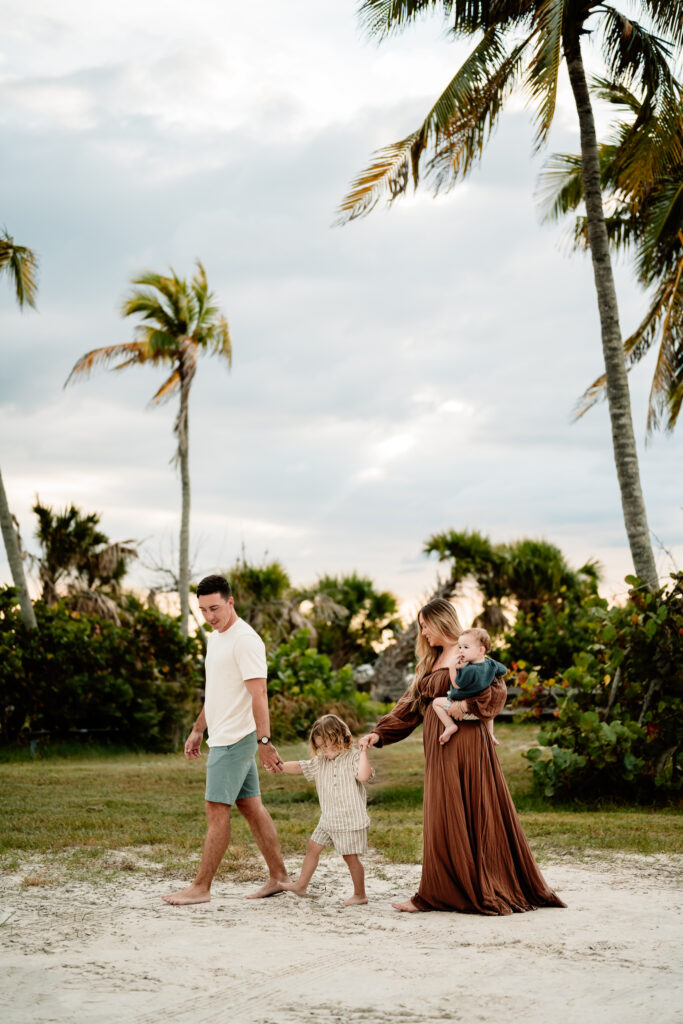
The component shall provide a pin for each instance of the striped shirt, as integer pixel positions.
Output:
(342, 797)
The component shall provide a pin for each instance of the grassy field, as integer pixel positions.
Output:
(145, 812)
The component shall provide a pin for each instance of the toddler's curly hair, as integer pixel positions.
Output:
(330, 729)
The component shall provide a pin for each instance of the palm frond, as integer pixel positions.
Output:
(388, 175)
(461, 145)
(667, 18)
(667, 380)
(615, 93)
(219, 340)
(661, 242)
(131, 351)
(663, 321)
(559, 188)
(169, 387)
(21, 264)
(635, 56)
(544, 67)
(384, 18)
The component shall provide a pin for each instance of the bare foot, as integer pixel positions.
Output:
(355, 901)
(294, 887)
(407, 908)
(272, 888)
(447, 733)
(496, 742)
(184, 898)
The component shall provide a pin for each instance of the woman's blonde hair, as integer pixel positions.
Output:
(442, 617)
(330, 729)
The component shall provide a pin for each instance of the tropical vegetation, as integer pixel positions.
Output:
(641, 170)
(20, 265)
(180, 322)
(523, 44)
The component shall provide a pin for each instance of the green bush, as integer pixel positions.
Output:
(303, 685)
(135, 682)
(618, 731)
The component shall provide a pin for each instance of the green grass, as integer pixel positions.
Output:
(84, 807)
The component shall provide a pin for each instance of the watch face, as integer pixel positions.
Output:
(265, 739)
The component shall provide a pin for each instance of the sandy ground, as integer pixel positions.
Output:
(113, 952)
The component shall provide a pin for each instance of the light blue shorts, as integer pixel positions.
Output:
(231, 772)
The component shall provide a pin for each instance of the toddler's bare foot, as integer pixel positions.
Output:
(447, 733)
(298, 890)
(496, 742)
(355, 901)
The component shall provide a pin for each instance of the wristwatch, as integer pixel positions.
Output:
(264, 740)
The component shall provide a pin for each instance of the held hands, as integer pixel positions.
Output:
(270, 759)
(369, 740)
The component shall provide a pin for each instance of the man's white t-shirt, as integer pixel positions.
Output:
(231, 657)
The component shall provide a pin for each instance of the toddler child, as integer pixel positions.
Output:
(339, 772)
(475, 676)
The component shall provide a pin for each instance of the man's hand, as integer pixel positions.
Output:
(193, 745)
(270, 759)
(368, 740)
(457, 710)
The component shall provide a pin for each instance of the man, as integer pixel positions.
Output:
(236, 714)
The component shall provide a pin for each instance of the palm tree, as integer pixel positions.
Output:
(180, 322)
(21, 265)
(641, 168)
(78, 563)
(532, 573)
(524, 42)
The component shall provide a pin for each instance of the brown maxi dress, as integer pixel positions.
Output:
(476, 858)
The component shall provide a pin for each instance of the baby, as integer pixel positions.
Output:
(339, 772)
(475, 676)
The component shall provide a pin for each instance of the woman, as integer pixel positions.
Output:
(476, 858)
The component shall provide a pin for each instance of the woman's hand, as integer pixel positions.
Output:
(369, 740)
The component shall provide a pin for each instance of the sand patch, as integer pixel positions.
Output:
(95, 953)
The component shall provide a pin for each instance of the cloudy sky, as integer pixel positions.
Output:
(405, 374)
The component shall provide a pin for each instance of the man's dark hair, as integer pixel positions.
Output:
(214, 585)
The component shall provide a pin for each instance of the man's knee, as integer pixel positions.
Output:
(251, 807)
(216, 812)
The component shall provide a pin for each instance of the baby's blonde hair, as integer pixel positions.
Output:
(479, 634)
(330, 729)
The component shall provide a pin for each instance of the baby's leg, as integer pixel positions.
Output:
(489, 728)
(440, 705)
(313, 851)
(357, 870)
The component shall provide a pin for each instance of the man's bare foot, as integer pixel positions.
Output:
(294, 887)
(447, 733)
(407, 908)
(355, 901)
(186, 897)
(272, 888)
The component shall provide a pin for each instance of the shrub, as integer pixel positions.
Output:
(303, 685)
(135, 683)
(618, 731)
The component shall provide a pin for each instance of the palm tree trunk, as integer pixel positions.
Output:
(15, 563)
(618, 395)
(184, 547)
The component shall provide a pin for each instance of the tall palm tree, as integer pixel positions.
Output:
(523, 43)
(641, 168)
(21, 266)
(180, 322)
